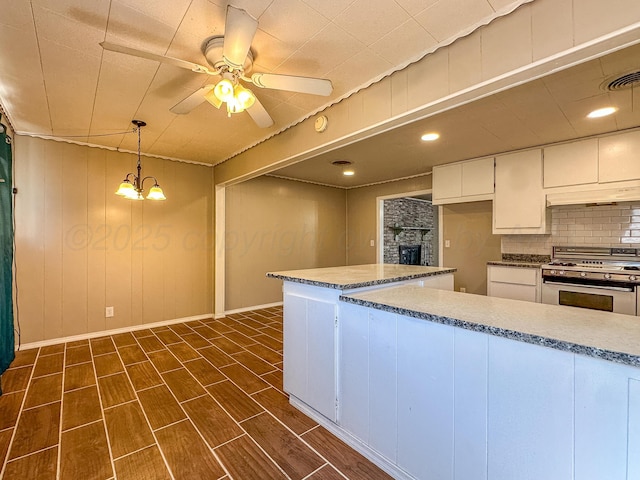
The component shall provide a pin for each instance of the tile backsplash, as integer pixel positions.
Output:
(594, 226)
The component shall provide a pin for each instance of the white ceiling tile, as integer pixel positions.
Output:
(58, 29)
(445, 19)
(499, 5)
(203, 19)
(329, 8)
(409, 40)
(322, 53)
(16, 15)
(368, 21)
(134, 29)
(360, 68)
(292, 21)
(414, 7)
(269, 52)
(169, 13)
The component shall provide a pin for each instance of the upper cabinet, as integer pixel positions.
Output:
(571, 164)
(468, 181)
(519, 204)
(619, 157)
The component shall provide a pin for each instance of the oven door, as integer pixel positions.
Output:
(609, 299)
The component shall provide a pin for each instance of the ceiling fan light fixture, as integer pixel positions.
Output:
(244, 96)
(212, 99)
(224, 89)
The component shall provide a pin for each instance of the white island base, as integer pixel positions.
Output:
(438, 385)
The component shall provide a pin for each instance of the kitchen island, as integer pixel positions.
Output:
(311, 319)
(435, 384)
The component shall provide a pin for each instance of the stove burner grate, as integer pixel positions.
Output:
(562, 264)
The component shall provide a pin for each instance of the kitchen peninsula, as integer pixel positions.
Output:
(435, 384)
(311, 313)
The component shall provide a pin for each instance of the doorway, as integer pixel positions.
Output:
(408, 222)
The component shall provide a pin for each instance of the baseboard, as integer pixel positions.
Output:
(115, 331)
(366, 451)
(248, 309)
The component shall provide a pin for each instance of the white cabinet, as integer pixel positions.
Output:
(517, 283)
(619, 157)
(310, 347)
(467, 181)
(573, 163)
(519, 203)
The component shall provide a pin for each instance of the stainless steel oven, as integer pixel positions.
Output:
(596, 278)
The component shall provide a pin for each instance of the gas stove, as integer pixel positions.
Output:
(601, 264)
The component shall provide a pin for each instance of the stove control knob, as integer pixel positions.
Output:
(561, 272)
(607, 276)
(552, 272)
(583, 274)
(633, 278)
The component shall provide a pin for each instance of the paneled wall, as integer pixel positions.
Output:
(81, 248)
(274, 224)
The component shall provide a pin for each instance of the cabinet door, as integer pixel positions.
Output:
(477, 177)
(309, 352)
(447, 181)
(519, 204)
(619, 157)
(571, 164)
(530, 412)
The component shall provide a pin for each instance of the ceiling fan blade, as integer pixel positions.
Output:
(192, 101)
(315, 86)
(260, 115)
(239, 30)
(194, 67)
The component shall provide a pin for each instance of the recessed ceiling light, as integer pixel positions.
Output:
(430, 137)
(602, 112)
(347, 170)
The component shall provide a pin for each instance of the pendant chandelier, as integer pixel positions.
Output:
(132, 186)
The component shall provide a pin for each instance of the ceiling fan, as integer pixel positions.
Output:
(230, 57)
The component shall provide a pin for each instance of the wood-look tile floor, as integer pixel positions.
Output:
(196, 400)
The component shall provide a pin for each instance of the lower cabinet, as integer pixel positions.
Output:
(517, 283)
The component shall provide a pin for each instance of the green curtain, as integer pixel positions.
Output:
(7, 353)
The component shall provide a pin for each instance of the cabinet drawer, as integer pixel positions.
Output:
(521, 276)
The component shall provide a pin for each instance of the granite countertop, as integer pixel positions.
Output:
(609, 336)
(521, 260)
(357, 276)
(503, 263)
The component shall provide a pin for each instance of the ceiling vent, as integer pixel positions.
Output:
(622, 82)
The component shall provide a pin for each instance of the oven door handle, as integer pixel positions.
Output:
(569, 285)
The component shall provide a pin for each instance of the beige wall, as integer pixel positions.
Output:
(468, 227)
(362, 215)
(81, 248)
(274, 224)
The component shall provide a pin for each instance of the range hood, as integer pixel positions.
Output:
(610, 195)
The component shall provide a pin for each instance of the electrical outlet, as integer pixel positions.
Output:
(463, 289)
(372, 243)
(108, 312)
(447, 243)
